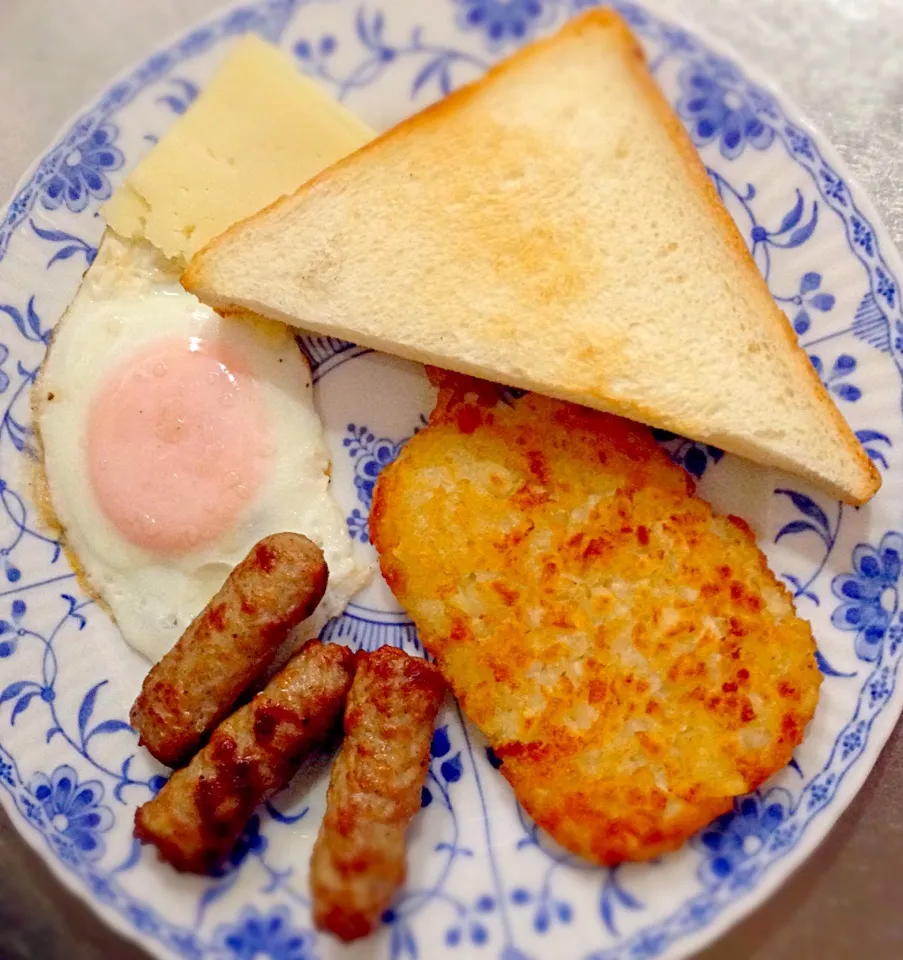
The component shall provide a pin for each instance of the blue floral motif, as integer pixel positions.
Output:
(717, 110)
(20, 694)
(790, 234)
(474, 929)
(731, 840)
(546, 910)
(886, 288)
(834, 187)
(853, 740)
(863, 236)
(694, 457)
(450, 768)
(101, 887)
(143, 918)
(869, 594)
(183, 94)
(358, 525)
(83, 171)
(259, 936)
(880, 686)
(32, 810)
(197, 41)
(74, 809)
(4, 376)
(10, 633)
(71, 245)
(810, 297)
(799, 143)
(793, 231)
(820, 791)
(895, 636)
(438, 64)
(16, 427)
(6, 773)
(614, 896)
(834, 383)
(501, 20)
(371, 454)
(28, 323)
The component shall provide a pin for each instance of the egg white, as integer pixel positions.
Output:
(129, 299)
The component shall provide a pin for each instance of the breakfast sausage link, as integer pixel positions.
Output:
(198, 816)
(229, 644)
(358, 860)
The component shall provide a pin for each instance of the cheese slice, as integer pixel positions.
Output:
(259, 130)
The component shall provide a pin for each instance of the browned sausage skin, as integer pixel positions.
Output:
(358, 860)
(228, 645)
(195, 820)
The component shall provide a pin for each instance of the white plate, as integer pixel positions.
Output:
(482, 881)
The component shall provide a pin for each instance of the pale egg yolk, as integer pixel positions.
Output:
(177, 444)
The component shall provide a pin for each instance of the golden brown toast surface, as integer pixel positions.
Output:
(552, 227)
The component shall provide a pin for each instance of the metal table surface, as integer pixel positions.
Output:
(840, 60)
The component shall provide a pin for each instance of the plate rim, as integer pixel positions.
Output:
(743, 905)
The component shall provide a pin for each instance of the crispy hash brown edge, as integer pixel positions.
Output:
(631, 831)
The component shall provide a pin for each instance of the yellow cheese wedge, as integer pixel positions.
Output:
(258, 131)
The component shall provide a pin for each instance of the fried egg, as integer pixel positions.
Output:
(173, 439)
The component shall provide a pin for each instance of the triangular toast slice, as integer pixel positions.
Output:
(550, 227)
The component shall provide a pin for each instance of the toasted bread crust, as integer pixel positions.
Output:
(842, 468)
(869, 480)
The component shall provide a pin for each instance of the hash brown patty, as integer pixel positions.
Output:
(628, 654)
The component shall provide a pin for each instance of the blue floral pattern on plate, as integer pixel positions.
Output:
(717, 111)
(502, 19)
(483, 880)
(74, 810)
(82, 176)
(868, 595)
(270, 937)
(736, 837)
(371, 455)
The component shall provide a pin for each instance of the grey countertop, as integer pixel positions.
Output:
(841, 61)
